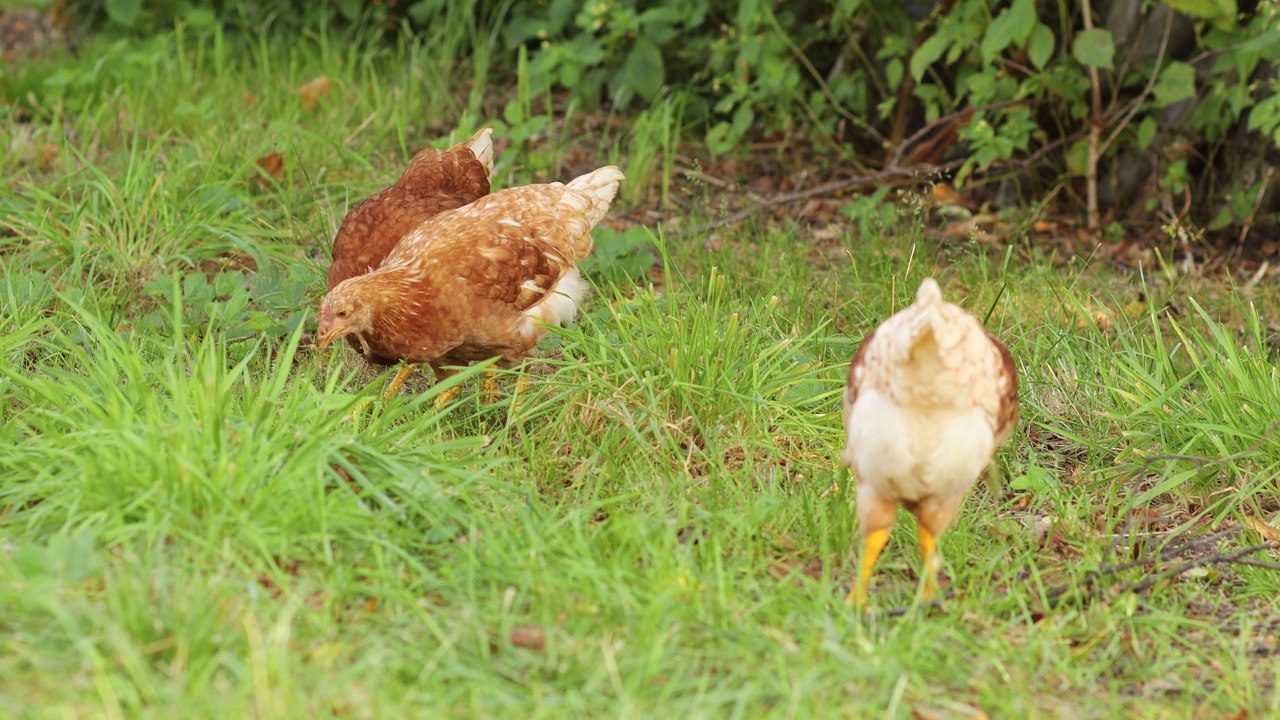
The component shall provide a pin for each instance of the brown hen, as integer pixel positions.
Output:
(930, 396)
(474, 283)
(436, 181)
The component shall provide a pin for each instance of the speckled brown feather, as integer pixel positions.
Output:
(474, 282)
(435, 181)
(1007, 417)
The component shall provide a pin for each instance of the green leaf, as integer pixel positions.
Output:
(124, 13)
(893, 72)
(1221, 13)
(1094, 48)
(1011, 27)
(1265, 117)
(1177, 82)
(1078, 157)
(742, 119)
(1146, 132)
(1040, 45)
(927, 54)
(645, 72)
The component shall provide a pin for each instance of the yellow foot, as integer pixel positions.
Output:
(446, 397)
(521, 385)
(489, 390)
(932, 563)
(872, 545)
(359, 408)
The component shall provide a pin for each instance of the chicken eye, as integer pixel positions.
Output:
(342, 313)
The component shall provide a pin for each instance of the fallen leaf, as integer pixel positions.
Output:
(48, 154)
(272, 164)
(529, 636)
(1268, 532)
(312, 91)
(945, 194)
(1044, 226)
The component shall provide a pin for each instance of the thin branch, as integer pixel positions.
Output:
(818, 190)
(916, 136)
(1151, 83)
(1095, 132)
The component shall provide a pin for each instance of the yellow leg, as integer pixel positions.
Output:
(489, 389)
(932, 562)
(872, 544)
(359, 408)
(447, 396)
(397, 382)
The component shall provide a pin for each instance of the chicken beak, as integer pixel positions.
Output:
(327, 334)
(328, 330)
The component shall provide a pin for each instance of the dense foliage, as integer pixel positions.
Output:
(1181, 96)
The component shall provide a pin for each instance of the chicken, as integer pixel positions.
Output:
(930, 396)
(474, 283)
(436, 180)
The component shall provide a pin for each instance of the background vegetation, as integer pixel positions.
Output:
(188, 526)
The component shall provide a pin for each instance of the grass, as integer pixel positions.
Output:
(188, 528)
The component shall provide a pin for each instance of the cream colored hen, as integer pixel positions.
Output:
(930, 396)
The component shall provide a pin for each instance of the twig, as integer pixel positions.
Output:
(1151, 83)
(916, 136)
(904, 609)
(819, 190)
(1061, 595)
(1095, 133)
(1214, 559)
(1198, 461)
(1257, 203)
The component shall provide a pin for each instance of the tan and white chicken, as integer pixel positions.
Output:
(477, 282)
(930, 396)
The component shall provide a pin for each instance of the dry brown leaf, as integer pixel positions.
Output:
(312, 91)
(529, 636)
(48, 155)
(1270, 533)
(272, 164)
(945, 194)
(1044, 226)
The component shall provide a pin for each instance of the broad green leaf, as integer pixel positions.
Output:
(927, 54)
(742, 119)
(1221, 13)
(893, 73)
(1177, 82)
(1078, 157)
(645, 72)
(1011, 27)
(124, 12)
(1040, 45)
(1146, 132)
(1094, 48)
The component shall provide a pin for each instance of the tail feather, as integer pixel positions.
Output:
(481, 145)
(600, 187)
(929, 293)
(585, 204)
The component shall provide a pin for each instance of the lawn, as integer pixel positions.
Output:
(656, 524)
